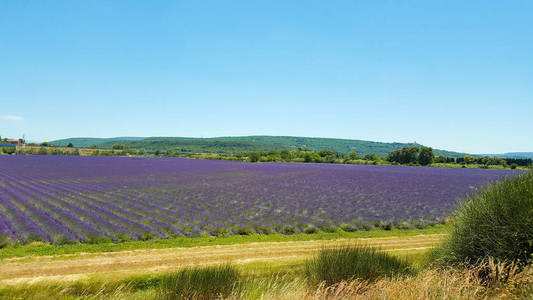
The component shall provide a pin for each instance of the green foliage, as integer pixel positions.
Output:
(309, 229)
(122, 237)
(406, 155)
(147, 235)
(385, 225)
(214, 282)
(347, 227)
(426, 156)
(345, 263)
(118, 147)
(287, 230)
(261, 229)
(352, 155)
(5, 241)
(497, 222)
(329, 228)
(241, 230)
(60, 240)
(244, 144)
(97, 239)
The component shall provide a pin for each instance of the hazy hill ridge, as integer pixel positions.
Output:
(248, 144)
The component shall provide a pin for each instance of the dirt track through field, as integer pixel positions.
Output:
(80, 266)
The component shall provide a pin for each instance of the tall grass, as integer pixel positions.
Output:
(345, 263)
(495, 223)
(199, 283)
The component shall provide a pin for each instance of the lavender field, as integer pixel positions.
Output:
(42, 197)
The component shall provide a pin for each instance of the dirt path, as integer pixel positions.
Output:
(82, 266)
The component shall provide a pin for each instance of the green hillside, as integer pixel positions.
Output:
(249, 144)
(83, 142)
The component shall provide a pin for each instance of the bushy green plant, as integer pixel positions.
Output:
(385, 225)
(496, 223)
(345, 263)
(329, 228)
(214, 282)
(147, 235)
(62, 240)
(5, 241)
(241, 230)
(347, 227)
(309, 229)
(262, 229)
(363, 226)
(122, 237)
(287, 230)
(219, 231)
(97, 239)
(402, 225)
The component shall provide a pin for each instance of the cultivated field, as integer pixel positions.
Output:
(63, 199)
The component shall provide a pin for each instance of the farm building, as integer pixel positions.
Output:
(10, 143)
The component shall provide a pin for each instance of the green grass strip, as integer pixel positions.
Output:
(40, 249)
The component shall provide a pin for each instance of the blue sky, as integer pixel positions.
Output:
(454, 75)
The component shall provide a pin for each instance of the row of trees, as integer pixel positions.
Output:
(412, 155)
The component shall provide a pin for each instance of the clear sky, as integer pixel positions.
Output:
(454, 75)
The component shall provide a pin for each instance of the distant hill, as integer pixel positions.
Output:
(87, 141)
(514, 155)
(249, 144)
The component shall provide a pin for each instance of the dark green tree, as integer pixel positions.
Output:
(352, 155)
(426, 156)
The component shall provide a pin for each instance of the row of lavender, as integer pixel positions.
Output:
(80, 198)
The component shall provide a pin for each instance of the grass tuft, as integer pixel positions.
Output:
(199, 283)
(362, 262)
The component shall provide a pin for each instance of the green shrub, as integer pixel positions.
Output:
(495, 223)
(241, 230)
(199, 283)
(147, 235)
(122, 237)
(97, 239)
(62, 240)
(309, 229)
(363, 226)
(262, 229)
(385, 225)
(402, 225)
(287, 230)
(219, 231)
(5, 241)
(329, 228)
(347, 227)
(345, 263)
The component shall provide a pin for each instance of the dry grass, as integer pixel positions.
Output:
(430, 284)
(116, 265)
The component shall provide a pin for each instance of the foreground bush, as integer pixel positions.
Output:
(199, 283)
(495, 223)
(345, 263)
(5, 241)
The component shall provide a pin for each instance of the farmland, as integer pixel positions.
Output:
(64, 199)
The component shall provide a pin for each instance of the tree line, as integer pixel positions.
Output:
(410, 155)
